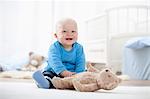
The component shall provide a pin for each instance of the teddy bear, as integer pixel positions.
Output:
(35, 62)
(89, 81)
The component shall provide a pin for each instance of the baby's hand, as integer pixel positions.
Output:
(67, 73)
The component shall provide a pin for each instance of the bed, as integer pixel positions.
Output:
(107, 33)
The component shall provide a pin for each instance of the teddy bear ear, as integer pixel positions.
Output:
(91, 68)
(43, 58)
(30, 53)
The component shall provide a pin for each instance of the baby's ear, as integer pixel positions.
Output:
(55, 35)
(43, 58)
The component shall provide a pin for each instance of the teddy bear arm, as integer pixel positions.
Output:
(84, 87)
(31, 68)
(87, 80)
(40, 66)
(25, 67)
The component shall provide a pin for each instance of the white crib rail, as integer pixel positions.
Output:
(112, 28)
(127, 26)
(126, 19)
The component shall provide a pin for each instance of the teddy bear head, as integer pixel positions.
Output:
(107, 80)
(35, 59)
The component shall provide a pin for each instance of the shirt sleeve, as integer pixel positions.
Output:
(54, 60)
(80, 60)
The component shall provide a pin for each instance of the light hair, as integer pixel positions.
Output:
(64, 21)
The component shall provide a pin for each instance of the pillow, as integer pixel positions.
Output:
(138, 43)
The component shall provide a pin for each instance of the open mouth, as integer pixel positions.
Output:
(69, 38)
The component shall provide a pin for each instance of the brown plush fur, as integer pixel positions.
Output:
(35, 62)
(89, 81)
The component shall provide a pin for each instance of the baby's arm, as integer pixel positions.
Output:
(66, 73)
(80, 60)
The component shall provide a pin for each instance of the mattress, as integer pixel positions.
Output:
(136, 63)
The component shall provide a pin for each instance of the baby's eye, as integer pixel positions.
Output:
(64, 31)
(73, 31)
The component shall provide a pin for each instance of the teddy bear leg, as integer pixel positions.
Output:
(62, 83)
(84, 87)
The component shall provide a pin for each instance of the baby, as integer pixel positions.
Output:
(65, 57)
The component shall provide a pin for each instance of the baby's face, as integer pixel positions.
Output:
(67, 33)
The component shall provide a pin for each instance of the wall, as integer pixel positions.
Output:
(25, 26)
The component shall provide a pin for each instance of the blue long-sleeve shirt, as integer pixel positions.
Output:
(60, 59)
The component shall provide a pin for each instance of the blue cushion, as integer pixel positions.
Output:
(138, 43)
